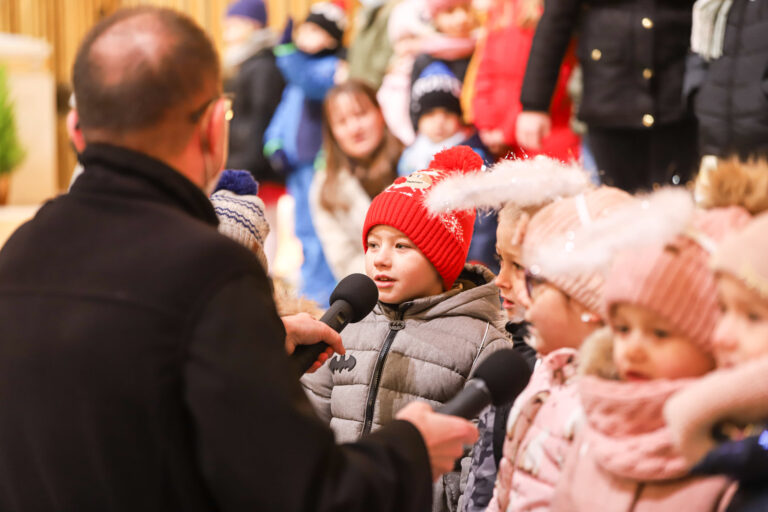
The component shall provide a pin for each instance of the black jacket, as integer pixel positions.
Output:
(745, 461)
(732, 104)
(258, 88)
(632, 54)
(142, 367)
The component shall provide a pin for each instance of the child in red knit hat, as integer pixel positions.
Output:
(436, 319)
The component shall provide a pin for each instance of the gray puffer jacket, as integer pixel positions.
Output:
(423, 349)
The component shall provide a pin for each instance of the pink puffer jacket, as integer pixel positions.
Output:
(540, 430)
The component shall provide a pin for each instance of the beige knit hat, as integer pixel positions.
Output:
(566, 216)
(742, 255)
(674, 279)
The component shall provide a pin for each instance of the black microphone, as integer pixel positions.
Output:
(351, 301)
(498, 380)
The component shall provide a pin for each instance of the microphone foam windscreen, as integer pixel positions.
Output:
(505, 373)
(360, 292)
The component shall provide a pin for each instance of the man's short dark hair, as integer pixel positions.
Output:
(122, 97)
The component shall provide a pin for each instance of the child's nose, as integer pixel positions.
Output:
(724, 338)
(382, 258)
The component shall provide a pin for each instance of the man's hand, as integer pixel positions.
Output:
(302, 329)
(531, 128)
(445, 436)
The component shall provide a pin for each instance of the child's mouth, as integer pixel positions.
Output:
(383, 281)
(633, 376)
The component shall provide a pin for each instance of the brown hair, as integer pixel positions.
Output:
(376, 172)
(139, 91)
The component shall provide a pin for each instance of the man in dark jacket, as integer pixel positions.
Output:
(142, 362)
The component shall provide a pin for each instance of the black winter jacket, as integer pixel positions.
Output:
(732, 104)
(143, 368)
(632, 53)
(258, 88)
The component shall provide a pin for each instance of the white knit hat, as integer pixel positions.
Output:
(241, 211)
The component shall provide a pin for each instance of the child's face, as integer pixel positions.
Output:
(399, 269)
(557, 318)
(237, 29)
(438, 124)
(356, 124)
(646, 347)
(511, 278)
(742, 332)
(312, 39)
(456, 22)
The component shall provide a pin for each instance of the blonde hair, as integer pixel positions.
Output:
(733, 182)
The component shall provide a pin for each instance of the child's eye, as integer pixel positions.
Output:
(754, 317)
(660, 333)
(518, 266)
(401, 245)
(371, 245)
(623, 329)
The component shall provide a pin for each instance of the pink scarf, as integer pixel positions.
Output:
(625, 427)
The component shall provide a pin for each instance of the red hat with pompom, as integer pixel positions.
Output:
(444, 239)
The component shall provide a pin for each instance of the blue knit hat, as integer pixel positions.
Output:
(253, 9)
(241, 211)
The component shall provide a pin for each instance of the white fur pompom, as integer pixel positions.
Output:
(651, 219)
(524, 183)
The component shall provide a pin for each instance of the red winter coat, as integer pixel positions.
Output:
(499, 81)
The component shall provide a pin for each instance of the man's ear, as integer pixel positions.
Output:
(216, 131)
(74, 131)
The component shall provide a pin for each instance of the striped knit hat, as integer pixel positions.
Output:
(566, 216)
(241, 211)
(444, 238)
(674, 280)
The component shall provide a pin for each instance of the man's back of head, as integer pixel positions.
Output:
(143, 77)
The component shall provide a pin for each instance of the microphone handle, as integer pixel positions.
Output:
(337, 317)
(469, 402)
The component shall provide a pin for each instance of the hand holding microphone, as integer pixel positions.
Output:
(498, 380)
(351, 301)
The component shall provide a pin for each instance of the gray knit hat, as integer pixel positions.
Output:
(241, 211)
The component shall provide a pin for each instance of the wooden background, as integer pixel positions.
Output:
(63, 23)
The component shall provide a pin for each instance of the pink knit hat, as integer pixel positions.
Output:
(444, 239)
(742, 255)
(674, 280)
(560, 218)
(436, 6)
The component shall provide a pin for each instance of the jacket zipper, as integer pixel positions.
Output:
(395, 326)
(636, 497)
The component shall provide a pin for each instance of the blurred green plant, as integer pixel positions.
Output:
(11, 151)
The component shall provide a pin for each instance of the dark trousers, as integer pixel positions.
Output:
(634, 159)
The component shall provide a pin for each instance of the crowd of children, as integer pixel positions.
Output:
(644, 317)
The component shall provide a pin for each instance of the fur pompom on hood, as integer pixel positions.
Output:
(527, 182)
(733, 182)
(596, 355)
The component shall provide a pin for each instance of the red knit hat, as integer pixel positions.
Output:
(443, 239)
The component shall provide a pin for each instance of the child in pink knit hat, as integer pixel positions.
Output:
(564, 309)
(719, 423)
(660, 303)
